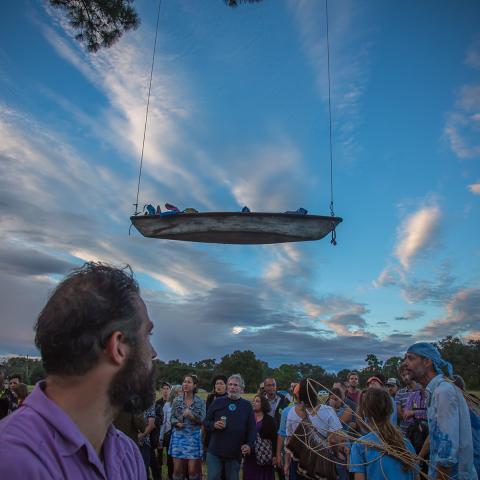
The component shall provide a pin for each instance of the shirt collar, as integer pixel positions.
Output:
(432, 385)
(67, 434)
(68, 437)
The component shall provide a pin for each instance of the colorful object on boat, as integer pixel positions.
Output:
(171, 207)
(150, 209)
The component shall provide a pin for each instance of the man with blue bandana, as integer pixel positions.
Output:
(451, 444)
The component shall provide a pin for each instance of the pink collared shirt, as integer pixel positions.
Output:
(40, 441)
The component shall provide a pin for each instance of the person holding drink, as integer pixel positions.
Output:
(188, 413)
(231, 422)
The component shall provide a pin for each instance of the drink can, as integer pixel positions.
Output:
(224, 420)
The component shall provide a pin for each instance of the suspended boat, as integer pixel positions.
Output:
(245, 228)
(236, 227)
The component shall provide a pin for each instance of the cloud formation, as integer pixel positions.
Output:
(462, 316)
(349, 57)
(474, 188)
(411, 315)
(417, 233)
(462, 126)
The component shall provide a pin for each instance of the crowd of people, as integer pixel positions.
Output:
(97, 414)
(12, 392)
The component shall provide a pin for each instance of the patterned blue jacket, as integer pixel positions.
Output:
(197, 408)
(451, 443)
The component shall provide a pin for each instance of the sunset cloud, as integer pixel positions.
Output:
(462, 316)
(474, 188)
(417, 233)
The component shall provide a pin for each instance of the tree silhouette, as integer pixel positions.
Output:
(101, 23)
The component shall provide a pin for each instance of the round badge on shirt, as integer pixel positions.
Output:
(232, 407)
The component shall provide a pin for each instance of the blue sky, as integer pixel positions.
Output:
(239, 116)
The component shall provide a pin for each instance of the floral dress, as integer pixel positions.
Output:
(186, 442)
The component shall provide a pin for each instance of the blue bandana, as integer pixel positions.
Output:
(427, 350)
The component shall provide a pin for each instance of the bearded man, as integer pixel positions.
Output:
(93, 335)
(451, 441)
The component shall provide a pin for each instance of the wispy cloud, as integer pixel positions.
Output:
(120, 74)
(349, 55)
(462, 126)
(417, 233)
(389, 276)
(411, 315)
(473, 54)
(474, 188)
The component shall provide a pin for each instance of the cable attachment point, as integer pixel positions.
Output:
(333, 240)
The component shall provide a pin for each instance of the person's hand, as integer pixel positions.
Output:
(140, 436)
(274, 462)
(286, 470)
(245, 450)
(408, 413)
(179, 425)
(219, 425)
(278, 461)
(188, 413)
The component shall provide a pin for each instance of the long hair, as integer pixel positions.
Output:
(308, 393)
(377, 406)
(264, 404)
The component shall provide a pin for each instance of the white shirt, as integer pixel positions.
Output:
(325, 421)
(166, 425)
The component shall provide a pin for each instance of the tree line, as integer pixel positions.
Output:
(464, 355)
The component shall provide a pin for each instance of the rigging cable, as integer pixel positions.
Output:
(333, 240)
(148, 105)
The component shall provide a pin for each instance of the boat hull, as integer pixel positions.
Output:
(235, 227)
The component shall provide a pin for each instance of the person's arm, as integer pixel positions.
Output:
(446, 429)
(209, 423)
(288, 460)
(347, 416)
(209, 419)
(202, 410)
(175, 420)
(400, 413)
(278, 453)
(425, 449)
(359, 476)
(150, 426)
(250, 434)
(164, 423)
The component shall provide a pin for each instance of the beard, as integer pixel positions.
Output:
(234, 396)
(133, 388)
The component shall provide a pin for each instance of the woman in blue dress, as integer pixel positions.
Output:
(368, 458)
(188, 413)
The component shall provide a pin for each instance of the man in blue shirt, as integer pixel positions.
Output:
(451, 443)
(232, 423)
